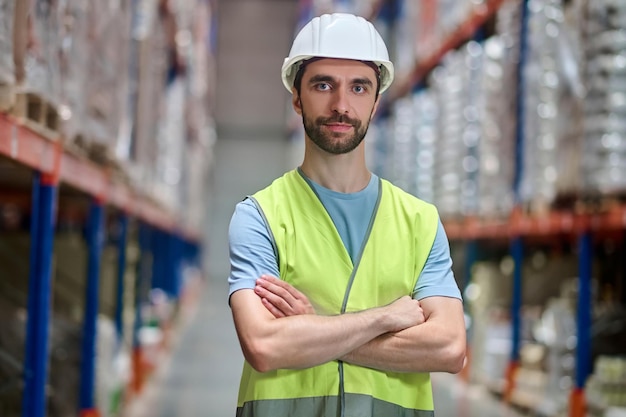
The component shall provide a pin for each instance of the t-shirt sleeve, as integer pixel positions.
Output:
(437, 278)
(250, 248)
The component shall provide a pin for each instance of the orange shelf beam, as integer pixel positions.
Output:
(28, 148)
(552, 223)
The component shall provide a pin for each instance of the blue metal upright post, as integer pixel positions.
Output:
(45, 189)
(95, 241)
(517, 247)
(143, 275)
(583, 349)
(517, 251)
(516, 302)
(121, 272)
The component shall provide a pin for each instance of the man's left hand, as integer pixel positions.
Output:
(282, 299)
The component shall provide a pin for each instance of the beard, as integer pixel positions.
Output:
(331, 142)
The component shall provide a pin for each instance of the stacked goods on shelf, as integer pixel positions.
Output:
(450, 14)
(552, 108)
(604, 40)
(200, 130)
(405, 34)
(7, 70)
(106, 82)
(173, 102)
(425, 132)
(556, 333)
(487, 300)
(402, 147)
(496, 129)
(37, 66)
(496, 88)
(450, 83)
(472, 119)
(606, 387)
(112, 369)
(548, 326)
(151, 59)
(74, 51)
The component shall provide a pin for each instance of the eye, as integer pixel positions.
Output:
(322, 86)
(359, 89)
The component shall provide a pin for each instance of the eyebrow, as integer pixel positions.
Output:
(327, 78)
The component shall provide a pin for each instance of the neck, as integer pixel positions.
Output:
(346, 173)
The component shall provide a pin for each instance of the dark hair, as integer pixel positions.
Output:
(297, 81)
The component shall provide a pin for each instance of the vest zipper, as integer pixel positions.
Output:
(342, 391)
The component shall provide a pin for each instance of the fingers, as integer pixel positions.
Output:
(283, 297)
(280, 287)
(275, 296)
(272, 309)
(405, 312)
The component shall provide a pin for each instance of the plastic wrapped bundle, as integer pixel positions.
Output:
(451, 13)
(74, 54)
(7, 68)
(36, 44)
(40, 73)
(426, 116)
(106, 87)
(450, 84)
(472, 133)
(497, 143)
(551, 104)
(604, 161)
(402, 150)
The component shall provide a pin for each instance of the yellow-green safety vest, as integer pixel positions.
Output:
(312, 257)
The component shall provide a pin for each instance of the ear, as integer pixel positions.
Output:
(375, 108)
(296, 102)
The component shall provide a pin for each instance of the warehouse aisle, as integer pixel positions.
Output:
(200, 377)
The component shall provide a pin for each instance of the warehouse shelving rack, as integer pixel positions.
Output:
(521, 226)
(40, 165)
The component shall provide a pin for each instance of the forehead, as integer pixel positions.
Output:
(343, 68)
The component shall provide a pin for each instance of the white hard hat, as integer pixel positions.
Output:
(338, 35)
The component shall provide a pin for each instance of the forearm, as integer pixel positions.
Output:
(306, 340)
(422, 348)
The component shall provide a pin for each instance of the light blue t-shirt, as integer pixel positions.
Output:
(252, 253)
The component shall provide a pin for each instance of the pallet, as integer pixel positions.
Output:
(98, 153)
(600, 202)
(7, 96)
(579, 202)
(38, 114)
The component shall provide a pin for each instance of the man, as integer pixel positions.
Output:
(341, 286)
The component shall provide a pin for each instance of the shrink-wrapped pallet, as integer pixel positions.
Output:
(107, 84)
(150, 63)
(74, 53)
(449, 81)
(37, 74)
(7, 69)
(552, 111)
(604, 150)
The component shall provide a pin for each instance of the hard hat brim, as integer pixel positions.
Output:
(291, 65)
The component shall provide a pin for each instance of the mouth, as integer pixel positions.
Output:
(339, 127)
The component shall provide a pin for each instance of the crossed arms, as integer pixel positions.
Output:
(278, 329)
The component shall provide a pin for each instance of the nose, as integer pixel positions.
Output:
(340, 102)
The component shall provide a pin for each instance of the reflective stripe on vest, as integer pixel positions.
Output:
(313, 259)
